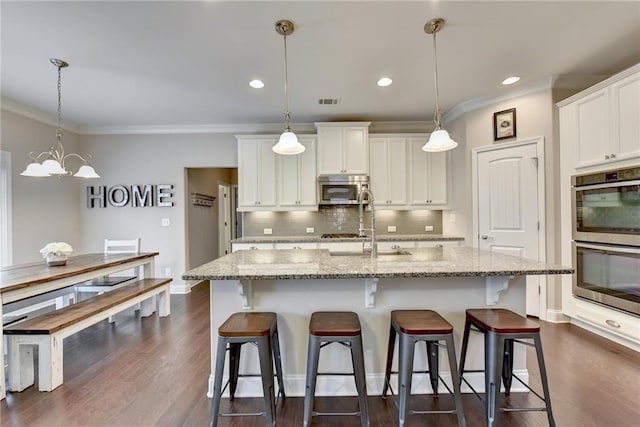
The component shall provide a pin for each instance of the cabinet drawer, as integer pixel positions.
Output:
(249, 246)
(341, 246)
(298, 245)
(624, 325)
(438, 243)
(387, 246)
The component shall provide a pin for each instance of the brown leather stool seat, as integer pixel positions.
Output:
(502, 328)
(239, 329)
(328, 327)
(411, 327)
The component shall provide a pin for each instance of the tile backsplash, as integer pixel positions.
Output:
(339, 219)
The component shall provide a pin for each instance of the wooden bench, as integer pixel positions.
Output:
(48, 330)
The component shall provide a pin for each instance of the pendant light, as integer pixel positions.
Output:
(54, 163)
(288, 143)
(439, 139)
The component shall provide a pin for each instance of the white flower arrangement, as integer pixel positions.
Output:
(56, 248)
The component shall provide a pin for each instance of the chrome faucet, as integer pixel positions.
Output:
(361, 230)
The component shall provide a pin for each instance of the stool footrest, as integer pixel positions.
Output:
(330, 414)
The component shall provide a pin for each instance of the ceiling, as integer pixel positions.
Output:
(186, 63)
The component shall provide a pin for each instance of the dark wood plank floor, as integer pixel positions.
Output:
(154, 372)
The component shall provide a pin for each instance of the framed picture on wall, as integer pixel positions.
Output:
(504, 124)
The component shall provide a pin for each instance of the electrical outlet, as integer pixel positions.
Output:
(311, 230)
(165, 222)
(391, 228)
(452, 217)
(428, 228)
(268, 231)
(167, 272)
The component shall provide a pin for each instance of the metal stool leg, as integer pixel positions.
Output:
(507, 365)
(275, 341)
(234, 367)
(266, 369)
(465, 343)
(313, 355)
(387, 372)
(434, 368)
(405, 373)
(357, 356)
(543, 376)
(455, 379)
(494, 344)
(217, 382)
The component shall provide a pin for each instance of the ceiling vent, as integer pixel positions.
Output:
(328, 101)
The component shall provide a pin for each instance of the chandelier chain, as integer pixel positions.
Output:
(59, 128)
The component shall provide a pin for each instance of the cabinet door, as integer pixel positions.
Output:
(250, 246)
(379, 178)
(593, 139)
(307, 178)
(356, 151)
(397, 171)
(438, 178)
(428, 176)
(288, 168)
(247, 174)
(330, 150)
(266, 167)
(625, 115)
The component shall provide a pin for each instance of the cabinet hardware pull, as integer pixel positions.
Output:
(484, 237)
(613, 156)
(612, 323)
(606, 157)
(395, 247)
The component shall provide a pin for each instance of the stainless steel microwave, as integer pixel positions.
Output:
(606, 207)
(341, 189)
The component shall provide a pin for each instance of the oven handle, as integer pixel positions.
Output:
(623, 249)
(607, 185)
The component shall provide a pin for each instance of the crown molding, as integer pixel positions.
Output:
(474, 104)
(37, 115)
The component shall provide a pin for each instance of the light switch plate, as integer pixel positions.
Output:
(167, 272)
(311, 230)
(268, 231)
(165, 222)
(391, 228)
(428, 228)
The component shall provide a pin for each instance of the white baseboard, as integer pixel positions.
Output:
(344, 385)
(179, 288)
(557, 316)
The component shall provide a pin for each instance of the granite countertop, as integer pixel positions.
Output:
(319, 264)
(318, 239)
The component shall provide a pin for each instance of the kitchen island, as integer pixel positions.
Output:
(295, 283)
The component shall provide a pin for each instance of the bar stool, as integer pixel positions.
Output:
(335, 327)
(260, 329)
(414, 326)
(501, 329)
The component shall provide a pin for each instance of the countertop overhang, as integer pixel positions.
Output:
(318, 239)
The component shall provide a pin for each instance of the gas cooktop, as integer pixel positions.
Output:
(338, 235)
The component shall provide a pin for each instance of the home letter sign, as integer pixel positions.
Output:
(138, 195)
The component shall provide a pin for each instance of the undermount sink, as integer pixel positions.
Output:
(380, 253)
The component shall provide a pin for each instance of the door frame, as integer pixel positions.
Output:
(542, 250)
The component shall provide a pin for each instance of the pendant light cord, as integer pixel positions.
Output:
(287, 115)
(436, 116)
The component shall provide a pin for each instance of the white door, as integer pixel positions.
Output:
(507, 203)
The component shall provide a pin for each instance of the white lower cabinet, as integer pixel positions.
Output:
(251, 246)
(296, 245)
(341, 246)
(439, 243)
(389, 246)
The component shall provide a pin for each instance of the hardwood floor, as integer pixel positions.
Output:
(154, 372)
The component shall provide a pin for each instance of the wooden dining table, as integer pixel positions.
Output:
(24, 281)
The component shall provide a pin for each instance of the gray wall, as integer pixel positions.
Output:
(43, 209)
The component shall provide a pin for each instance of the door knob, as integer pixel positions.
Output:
(484, 237)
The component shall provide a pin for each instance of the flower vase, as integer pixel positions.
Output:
(56, 259)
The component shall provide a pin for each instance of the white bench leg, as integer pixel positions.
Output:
(148, 306)
(21, 363)
(50, 364)
(164, 303)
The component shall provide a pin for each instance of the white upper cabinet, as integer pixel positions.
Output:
(256, 173)
(343, 148)
(297, 178)
(388, 171)
(603, 122)
(428, 176)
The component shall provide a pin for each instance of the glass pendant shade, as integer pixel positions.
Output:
(53, 167)
(288, 144)
(34, 169)
(86, 171)
(439, 140)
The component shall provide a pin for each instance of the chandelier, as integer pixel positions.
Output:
(54, 159)
(288, 143)
(439, 139)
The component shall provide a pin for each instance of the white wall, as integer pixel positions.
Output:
(43, 209)
(534, 117)
(150, 159)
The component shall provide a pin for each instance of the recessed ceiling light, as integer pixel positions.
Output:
(256, 84)
(510, 80)
(385, 81)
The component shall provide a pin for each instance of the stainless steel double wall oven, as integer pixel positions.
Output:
(606, 238)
